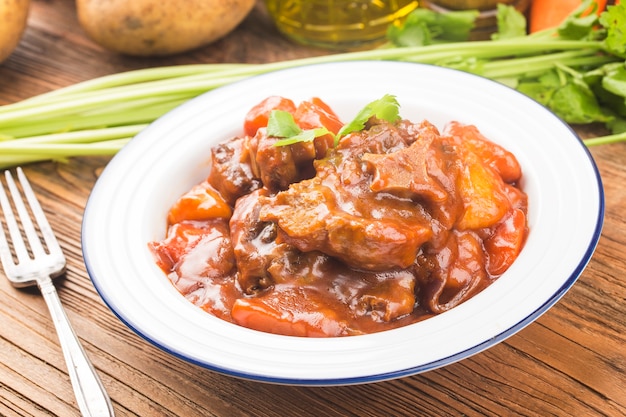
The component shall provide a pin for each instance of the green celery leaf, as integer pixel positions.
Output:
(608, 82)
(617, 125)
(536, 90)
(511, 23)
(576, 28)
(615, 81)
(414, 32)
(594, 76)
(551, 78)
(281, 124)
(576, 103)
(425, 27)
(541, 88)
(472, 64)
(579, 25)
(616, 105)
(455, 26)
(614, 20)
(385, 108)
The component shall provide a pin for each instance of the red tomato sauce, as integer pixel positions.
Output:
(395, 224)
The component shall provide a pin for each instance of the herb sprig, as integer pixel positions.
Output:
(281, 124)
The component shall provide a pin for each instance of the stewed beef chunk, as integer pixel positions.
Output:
(254, 244)
(231, 174)
(344, 213)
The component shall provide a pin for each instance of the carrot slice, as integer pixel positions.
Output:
(202, 202)
(505, 244)
(258, 115)
(295, 312)
(546, 14)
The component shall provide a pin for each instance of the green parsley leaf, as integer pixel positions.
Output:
(385, 108)
(304, 136)
(281, 124)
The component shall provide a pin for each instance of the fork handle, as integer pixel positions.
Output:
(90, 393)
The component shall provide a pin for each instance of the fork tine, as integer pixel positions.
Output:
(40, 216)
(27, 224)
(5, 249)
(11, 222)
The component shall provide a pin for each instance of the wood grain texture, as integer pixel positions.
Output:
(570, 362)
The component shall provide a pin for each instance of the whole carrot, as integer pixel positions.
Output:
(545, 14)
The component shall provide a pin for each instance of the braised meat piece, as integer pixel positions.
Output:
(254, 244)
(452, 273)
(314, 295)
(279, 166)
(406, 172)
(231, 174)
(344, 213)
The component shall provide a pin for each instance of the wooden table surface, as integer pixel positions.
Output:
(570, 362)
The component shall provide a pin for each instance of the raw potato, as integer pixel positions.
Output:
(13, 17)
(159, 27)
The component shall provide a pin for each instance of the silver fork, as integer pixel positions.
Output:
(39, 269)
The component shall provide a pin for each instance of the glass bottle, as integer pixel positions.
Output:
(338, 24)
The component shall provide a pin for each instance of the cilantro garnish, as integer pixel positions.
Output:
(385, 108)
(281, 124)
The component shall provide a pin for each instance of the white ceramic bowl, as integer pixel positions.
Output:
(128, 206)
